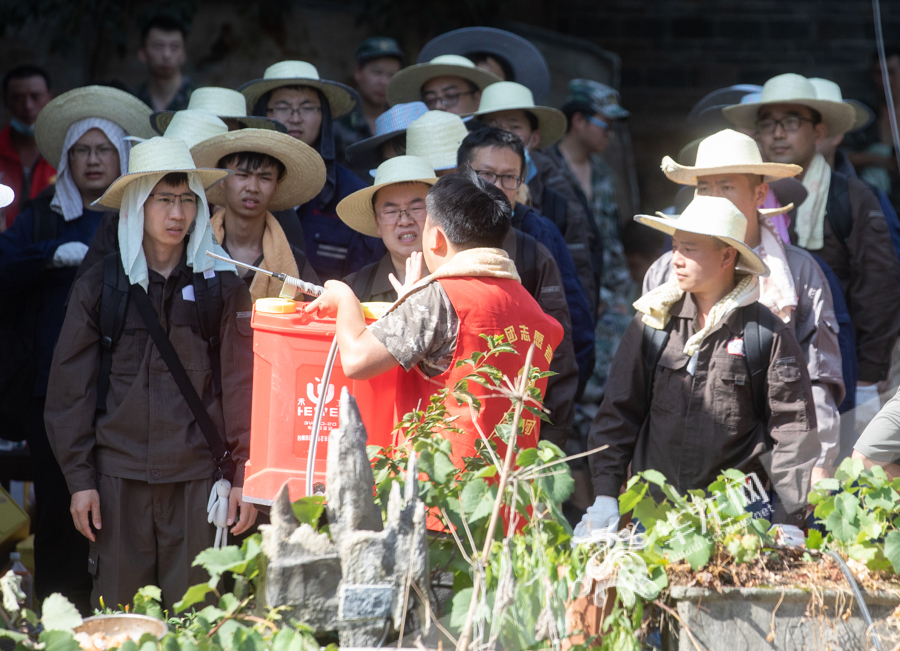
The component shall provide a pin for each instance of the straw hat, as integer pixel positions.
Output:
(436, 137)
(341, 98)
(826, 89)
(837, 116)
(193, 127)
(304, 174)
(712, 216)
(117, 106)
(510, 96)
(406, 85)
(223, 102)
(528, 65)
(358, 211)
(155, 156)
(7, 196)
(389, 124)
(726, 152)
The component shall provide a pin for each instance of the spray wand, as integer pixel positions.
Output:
(300, 286)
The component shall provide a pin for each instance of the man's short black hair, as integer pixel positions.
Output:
(481, 57)
(470, 211)
(174, 179)
(489, 137)
(24, 72)
(252, 161)
(164, 23)
(570, 109)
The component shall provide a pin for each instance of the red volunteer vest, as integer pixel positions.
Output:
(489, 306)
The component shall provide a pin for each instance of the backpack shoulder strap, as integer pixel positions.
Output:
(526, 261)
(113, 301)
(652, 345)
(553, 205)
(208, 295)
(837, 209)
(758, 338)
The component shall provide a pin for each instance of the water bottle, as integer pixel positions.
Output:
(27, 580)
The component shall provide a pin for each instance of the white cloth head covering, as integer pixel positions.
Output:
(67, 200)
(131, 231)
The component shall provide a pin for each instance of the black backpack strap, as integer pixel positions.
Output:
(208, 295)
(364, 281)
(526, 261)
(838, 210)
(225, 466)
(652, 344)
(758, 338)
(553, 206)
(113, 301)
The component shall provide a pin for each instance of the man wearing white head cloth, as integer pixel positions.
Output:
(146, 424)
(81, 132)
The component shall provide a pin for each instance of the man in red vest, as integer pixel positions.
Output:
(473, 290)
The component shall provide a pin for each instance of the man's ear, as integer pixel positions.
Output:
(821, 132)
(439, 245)
(535, 139)
(729, 259)
(759, 194)
(477, 97)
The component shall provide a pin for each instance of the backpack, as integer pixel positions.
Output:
(759, 324)
(114, 301)
(526, 259)
(18, 320)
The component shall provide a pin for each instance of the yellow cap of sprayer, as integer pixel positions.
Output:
(276, 306)
(375, 309)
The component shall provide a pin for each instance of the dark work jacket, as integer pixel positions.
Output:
(334, 249)
(544, 231)
(24, 272)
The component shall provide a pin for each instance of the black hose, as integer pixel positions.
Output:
(848, 574)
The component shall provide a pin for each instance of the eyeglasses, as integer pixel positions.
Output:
(284, 112)
(790, 124)
(166, 201)
(597, 122)
(83, 152)
(447, 101)
(508, 181)
(391, 217)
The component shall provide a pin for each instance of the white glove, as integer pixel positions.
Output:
(69, 254)
(601, 518)
(867, 405)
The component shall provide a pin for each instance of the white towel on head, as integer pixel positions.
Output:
(131, 231)
(67, 199)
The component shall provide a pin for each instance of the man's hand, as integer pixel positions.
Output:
(818, 474)
(85, 508)
(248, 512)
(326, 305)
(414, 266)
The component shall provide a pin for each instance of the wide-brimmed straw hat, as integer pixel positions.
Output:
(827, 89)
(358, 211)
(436, 137)
(790, 88)
(341, 98)
(529, 67)
(224, 103)
(726, 152)
(7, 195)
(389, 124)
(406, 85)
(117, 106)
(510, 96)
(193, 127)
(716, 217)
(304, 174)
(157, 156)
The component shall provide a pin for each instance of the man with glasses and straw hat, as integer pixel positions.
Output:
(796, 290)
(270, 171)
(83, 133)
(140, 445)
(292, 93)
(841, 220)
(726, 383)
(446, 83)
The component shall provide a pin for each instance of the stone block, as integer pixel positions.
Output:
(366, 602)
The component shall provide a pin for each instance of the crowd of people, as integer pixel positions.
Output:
(761, 339)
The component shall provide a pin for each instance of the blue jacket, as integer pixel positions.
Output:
(546, 232)
(334, 249)
(24, 273)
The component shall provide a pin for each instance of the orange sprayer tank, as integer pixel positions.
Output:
(289, 353)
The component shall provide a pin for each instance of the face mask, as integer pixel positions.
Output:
(22, 128)
(530, 167)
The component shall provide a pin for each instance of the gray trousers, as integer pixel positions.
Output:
(151, 534)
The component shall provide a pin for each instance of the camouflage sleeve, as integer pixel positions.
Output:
(422, 330)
